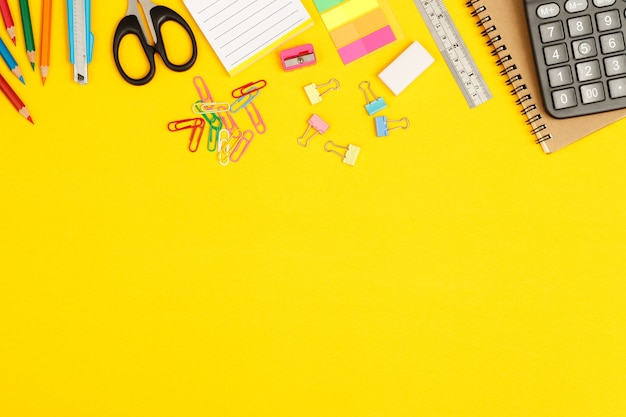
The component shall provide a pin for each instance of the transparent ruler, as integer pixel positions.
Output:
(454, 51)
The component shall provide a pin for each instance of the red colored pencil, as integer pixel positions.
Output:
(8, 19)
(14, 99)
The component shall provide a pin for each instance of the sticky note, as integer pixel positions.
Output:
(406, 68)
(347, 11)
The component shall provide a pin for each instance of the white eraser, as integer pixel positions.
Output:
(406, 68)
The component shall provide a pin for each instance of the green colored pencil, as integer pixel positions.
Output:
(28, 32)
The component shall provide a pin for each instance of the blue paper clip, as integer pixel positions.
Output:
(244, 100)
(374, 106)
(382, 125)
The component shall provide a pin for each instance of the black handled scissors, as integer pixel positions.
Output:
(156, 16)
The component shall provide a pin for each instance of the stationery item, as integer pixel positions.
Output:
(215, 125)
(10, 61)
(27, 26)
(210, 107)
(313, 93)
(350, 154)
(454, 51)
(7, 18)
(44, 48)
(14, 99)
(589, 77)
(243, 101)
(228, 122)
(298, 57)
(244, 139)
(196, 125)
(241, 32)
(382, 125)
(223, 148)
(376, 104)
(255, 117)
(81, 38)
(152, 42)
(316, 123)
(406, 68)
(505, 27)
(249, 88)
(359, 27)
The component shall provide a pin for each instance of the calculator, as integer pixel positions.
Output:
(580, 54)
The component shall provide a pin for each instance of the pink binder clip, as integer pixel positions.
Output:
(320, 127)
(298, 57)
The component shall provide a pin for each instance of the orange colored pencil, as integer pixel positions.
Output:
(14, 99)
(44, 49)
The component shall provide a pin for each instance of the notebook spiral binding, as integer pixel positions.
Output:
(514, 79)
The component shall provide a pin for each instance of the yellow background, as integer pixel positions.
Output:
(456, 270)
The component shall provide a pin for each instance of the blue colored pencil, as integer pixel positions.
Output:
(10, 61)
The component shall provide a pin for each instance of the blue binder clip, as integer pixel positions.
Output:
(382, 125)
(377, 104)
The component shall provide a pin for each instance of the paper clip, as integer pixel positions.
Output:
(374, 106)
(245, 138)
(228, 122)
(202, 89)
(256, 119)
(314, 95)
(223, 147)
(349, 156)
(249, 88)
(382, 125)
(197, 127)
(243, 101)
(316, 123)
(298, 57)
(210, 107)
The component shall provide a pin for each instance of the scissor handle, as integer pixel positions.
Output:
(129, 25)
(161, 15)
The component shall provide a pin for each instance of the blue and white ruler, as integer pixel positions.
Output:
(454, 51)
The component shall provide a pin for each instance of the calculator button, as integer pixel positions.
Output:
(573, 6)
(555, 54)
(612, 43)
(615, 65)
(608, 21)
(592, 93)
(617, 88)
(551, 32)
(564, 99)
(585, 48)
(587, 71)
(580, 26)
(548, 10)
(560, 76)
(603, 3)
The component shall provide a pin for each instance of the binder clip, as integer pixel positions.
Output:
(316, 123)
(349, 156)
(377, 104)
(313, 93)
(382, 125)
(197, 127)
(298, 57)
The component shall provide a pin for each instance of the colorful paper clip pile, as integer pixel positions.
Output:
(225, 137)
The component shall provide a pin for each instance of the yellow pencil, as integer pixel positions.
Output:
(44, 51)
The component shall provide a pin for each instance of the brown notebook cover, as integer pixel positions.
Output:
(504, 23)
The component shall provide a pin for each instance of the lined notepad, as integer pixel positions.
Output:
(242, 31)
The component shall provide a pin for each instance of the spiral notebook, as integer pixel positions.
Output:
(505, 27)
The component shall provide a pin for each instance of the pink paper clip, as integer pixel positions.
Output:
(256, 119)
(197, 127)
(202, 89)
(298, 57)
(249, 88)
(320, 127)
(228, 122)
(237, 151)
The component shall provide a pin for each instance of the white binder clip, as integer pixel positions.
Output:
(377, 104)
(349, 156)
(313, 93)
(318, 125)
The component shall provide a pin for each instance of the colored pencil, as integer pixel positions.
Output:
(10, 61)
(8, 19)
(28, 32)
(44, 51)
(14, 99)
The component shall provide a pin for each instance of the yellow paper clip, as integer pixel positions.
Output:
(349, 156)
(223, 148)
(313, 93)
(210, 107)
(197, 127)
